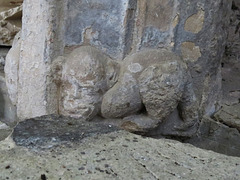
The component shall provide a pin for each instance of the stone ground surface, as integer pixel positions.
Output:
(104, 152)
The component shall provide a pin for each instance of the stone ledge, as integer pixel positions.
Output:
(117, 155)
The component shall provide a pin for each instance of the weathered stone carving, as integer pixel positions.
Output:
(156, 80)
(87, 74)
(89, 83)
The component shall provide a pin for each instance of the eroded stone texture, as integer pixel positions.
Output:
(204, 24)
(5, 131)
(110, 155)
(8, 113)
(104, 24)
(87, 74)
(158, 80)
(159, 20)
(195, 22)
(209, 38)
(231, 61)
(41, 42)
(218, 137)
(120, 29)
(190, 52)
(47, 132)
(229, 115)
(11, 69)
(3, 54)
(10, 20)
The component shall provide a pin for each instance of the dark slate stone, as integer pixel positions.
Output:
(48, 131)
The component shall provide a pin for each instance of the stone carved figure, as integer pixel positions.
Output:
(87, 74)
(150, 85)
(143, 91)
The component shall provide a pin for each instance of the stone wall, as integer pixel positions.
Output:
(194, 30)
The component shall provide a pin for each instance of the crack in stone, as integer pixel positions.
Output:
(145, 167)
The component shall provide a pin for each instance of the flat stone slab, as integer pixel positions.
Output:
(48, 131)
(116, 155)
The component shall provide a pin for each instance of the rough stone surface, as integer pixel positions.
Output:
(231, 60)
(195, 22)
(41, 43)
(5, 131)
(87, 74)
(171, 24)
(233, 45)
(210, 41)
(103, 24)
(229, 115)
(155, 19)
(3, 54)
(218, 137)
(190, 52)
(8, 113)
(49, 131)
(230, 81)
(122, 99)
(156, 79)
(120, 29)
(10, 21)
(11, 69)
(116, 155)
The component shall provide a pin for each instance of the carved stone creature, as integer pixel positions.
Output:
(143, 90)
(87, 74)
(154, 79)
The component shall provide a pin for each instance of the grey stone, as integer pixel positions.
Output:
(104, 24)
(122, 99)
(5, 131)
(229, 115)
(47, 132)
(87, 74)
(119, 29)
(41, 43)
(158, 80)
(11, 69)
(116, 155)
(139, 123)
(3, 54)
(8, 113)
(217, 137)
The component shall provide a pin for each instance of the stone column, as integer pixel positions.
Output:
(42, 41)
